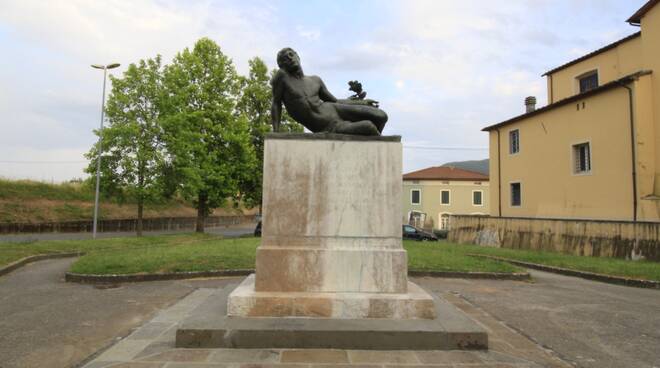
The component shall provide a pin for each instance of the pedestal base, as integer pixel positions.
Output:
(246, 302)
(210, 327)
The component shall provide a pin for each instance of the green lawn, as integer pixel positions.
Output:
(10, 252)
(197, 254)
(645, 270)
(193, 252)
(441, 256)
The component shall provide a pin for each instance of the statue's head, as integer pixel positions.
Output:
(288, 59)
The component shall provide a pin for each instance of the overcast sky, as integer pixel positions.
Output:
(441, 69)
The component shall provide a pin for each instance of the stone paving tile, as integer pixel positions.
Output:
(100, 364)
(420, 366)
(252, 365)
(244, 356)
(200, 365)
(346, 366)
(375, 356)
(138, 365)
(448, 357)
(155, 347)
(181, 309)
(498, 357)
(180, 355)
(150, 330)
(124, 350)
(314, 356)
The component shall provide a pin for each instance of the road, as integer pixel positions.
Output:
(230, 232)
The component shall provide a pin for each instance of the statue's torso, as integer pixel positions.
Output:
(302, 101)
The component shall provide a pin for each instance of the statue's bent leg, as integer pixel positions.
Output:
(363, 127)
(357, 113)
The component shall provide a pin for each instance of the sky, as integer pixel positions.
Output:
(441, 69)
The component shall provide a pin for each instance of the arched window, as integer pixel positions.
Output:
(444, 221)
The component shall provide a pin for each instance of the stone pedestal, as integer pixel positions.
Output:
(331, 233)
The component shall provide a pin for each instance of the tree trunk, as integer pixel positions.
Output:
(201, 212)
(140, 205)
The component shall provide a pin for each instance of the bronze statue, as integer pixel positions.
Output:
(310, 103)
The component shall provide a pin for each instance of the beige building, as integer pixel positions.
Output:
(432, 195)
(594, 151)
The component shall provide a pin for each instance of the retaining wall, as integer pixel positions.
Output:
(614, 239)
(148, 224)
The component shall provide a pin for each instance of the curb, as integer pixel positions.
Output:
(103, 279)
(516, 276)
(39, 257)
(647, 284)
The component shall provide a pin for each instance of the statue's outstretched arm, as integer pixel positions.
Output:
(324, 94)
(276, 106)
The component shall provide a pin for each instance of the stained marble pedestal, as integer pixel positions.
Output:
(331, 233)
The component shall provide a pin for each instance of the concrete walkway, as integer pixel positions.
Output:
(152, 345)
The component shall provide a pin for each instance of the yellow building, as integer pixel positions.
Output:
(432, 195)
(594, 151)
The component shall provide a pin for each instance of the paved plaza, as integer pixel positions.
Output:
(555, 321)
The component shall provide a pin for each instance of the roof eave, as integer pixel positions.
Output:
(593, 53)
(636, 19)
(605, 87)
(449, 179)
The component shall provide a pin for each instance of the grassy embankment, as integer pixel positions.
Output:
(29, 201)
(191, 252)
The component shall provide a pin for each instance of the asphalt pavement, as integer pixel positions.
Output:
(588, 323)
(46, 322)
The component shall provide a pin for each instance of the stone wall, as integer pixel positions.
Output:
(615, 239)
(149, 224)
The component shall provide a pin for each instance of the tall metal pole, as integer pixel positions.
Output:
(98, 158)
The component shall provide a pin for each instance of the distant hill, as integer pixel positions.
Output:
(480, 166)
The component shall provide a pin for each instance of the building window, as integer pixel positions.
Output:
(581, 158)
(515, 195)
(514, 141)
(415, 196)
(444, 197)
(477, 198)
(588, 81)
(444, 221)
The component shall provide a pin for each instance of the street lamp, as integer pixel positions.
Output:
(100, 149)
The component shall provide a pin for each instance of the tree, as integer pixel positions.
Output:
(254, 103)
(133, 152)
(207, 140)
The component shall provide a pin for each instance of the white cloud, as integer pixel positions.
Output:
(440, 68)
(52, 97)
(308, 34)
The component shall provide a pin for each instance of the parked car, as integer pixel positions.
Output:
(257, 230)
(413, 233)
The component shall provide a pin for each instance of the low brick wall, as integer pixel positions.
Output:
(148, 224)
(615, 239)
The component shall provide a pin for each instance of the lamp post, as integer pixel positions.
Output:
(100, 146)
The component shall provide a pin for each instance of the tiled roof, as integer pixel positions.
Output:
(444, 173)
(605, 87)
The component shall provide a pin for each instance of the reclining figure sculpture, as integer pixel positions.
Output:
(309, 102)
